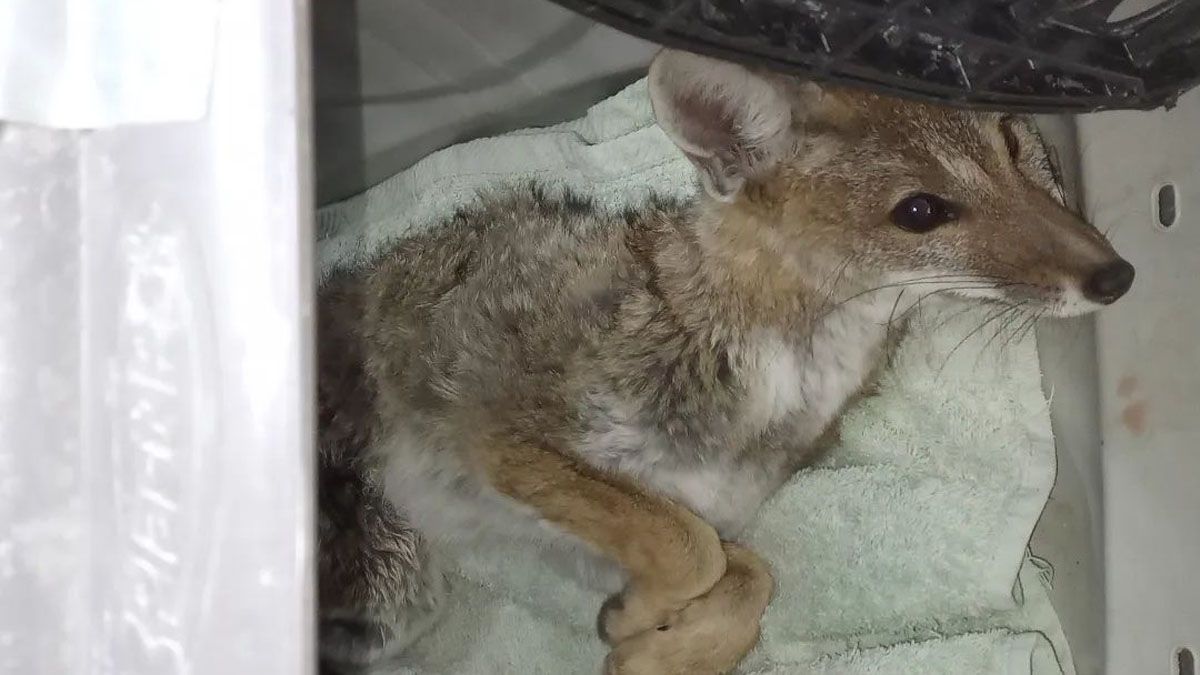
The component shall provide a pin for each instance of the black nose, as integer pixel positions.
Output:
(1109, 282)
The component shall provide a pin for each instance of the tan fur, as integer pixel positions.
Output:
(671, 555)
(709, 636)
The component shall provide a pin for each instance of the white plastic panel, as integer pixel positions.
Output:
(1149, 351)
(1069, 534)
(156, 379)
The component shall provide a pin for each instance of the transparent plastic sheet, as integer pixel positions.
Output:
(156, 376)
(86, 64)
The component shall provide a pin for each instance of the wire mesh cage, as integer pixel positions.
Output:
(1015, 55)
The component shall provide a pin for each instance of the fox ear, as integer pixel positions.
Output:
(732, 123)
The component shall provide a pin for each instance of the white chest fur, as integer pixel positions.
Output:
(798, 382)
(812, 375)
(774, 378)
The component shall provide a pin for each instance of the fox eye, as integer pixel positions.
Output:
(922, 212)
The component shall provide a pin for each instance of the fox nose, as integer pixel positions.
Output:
(1109, 282)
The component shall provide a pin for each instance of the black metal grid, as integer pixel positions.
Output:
(1012, 55)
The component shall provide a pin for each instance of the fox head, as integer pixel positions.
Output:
(894, 191)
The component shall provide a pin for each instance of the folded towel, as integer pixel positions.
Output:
(913, 529)
(541, 628)
(995, 652)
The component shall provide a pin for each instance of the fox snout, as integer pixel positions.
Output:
(1109, 282)
(1071, 259)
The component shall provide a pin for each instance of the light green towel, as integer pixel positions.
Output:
(913, 530)
(994, 652)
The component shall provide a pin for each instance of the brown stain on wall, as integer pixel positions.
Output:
(1127, 386)
(1134, 417)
